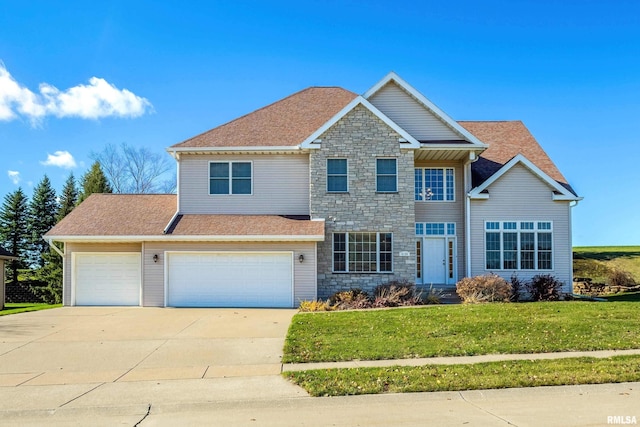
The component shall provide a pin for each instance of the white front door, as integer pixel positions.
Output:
(434, 261)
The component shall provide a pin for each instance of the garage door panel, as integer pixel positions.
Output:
(230, 280)
(107, 279)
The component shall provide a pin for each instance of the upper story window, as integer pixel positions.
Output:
(386, 175)
(337, 176)
(435, 184)
(519, 245)
(230, 177)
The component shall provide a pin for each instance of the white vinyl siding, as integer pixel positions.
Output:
(304, 273)
(70, 248)
(280, 186)
(410, 115)
(450, 212)
(523, 197)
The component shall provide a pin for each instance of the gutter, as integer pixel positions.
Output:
(54, 247)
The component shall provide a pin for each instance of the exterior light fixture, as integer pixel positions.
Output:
(301, 258)
(155, 258)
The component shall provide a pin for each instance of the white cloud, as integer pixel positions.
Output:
(95, 100)
(61, 159)
(14, 176)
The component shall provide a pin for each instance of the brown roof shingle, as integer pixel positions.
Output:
(506, 139)
(147, 215)
(118, 215)
(245, 225)
(287, 122)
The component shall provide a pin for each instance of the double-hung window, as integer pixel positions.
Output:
(337, 176)
(435, 184)
(363, 252)
(230, 177)
(386, 175)
(519, 245)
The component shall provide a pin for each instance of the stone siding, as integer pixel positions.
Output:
(361, 138)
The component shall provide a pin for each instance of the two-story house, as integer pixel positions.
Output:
(326, 190)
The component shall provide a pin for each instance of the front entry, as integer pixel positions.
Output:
(435, 261)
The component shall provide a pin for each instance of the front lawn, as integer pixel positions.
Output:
(462, 330)
(18, 307)
(630, 296)
(507, 374)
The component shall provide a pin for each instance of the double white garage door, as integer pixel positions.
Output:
(193, 279)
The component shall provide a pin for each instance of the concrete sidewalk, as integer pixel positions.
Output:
(207, 402)
(454, 360)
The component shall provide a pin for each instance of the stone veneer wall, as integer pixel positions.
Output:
(361, 138)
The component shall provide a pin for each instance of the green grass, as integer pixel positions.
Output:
(14, 308)
(507, 374)
(597, 262)
(462, 330)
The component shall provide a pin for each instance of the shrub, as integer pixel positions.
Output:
(544, 287)
(517, 286)
(396, 293)
(434, 296)
(487, 288)
(621, 278)
(351, 299)
(318, 305)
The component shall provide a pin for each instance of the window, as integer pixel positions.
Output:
(337, 177)
(513, 245)
(386, 176)
(434, 184)
(435, 229)
(363, 252)
(230, 177)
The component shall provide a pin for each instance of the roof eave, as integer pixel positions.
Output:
(190, 238)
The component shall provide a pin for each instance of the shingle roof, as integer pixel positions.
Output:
(287, 122)
(506, 139)
(118, 215)
(147, 215)
(245, 225)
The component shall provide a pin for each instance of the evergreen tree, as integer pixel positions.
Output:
(42, 217)
(94, 181)
(13, 229)
(68, 198)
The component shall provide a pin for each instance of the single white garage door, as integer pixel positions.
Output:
(107, 278)
(230, 279)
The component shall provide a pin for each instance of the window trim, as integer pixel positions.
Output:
(346, 175)
(395, 159)
(518, 230)
(230, 177)
(444, 169)
(346, 252)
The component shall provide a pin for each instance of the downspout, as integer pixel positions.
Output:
(54, 247)
(467, 211)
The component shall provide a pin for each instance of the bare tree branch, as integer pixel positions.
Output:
(136, 170)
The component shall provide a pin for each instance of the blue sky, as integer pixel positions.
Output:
(77, 76)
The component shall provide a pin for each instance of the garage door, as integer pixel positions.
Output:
(107, 279)
(224, 279)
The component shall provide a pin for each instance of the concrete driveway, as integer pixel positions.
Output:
(75, 350)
